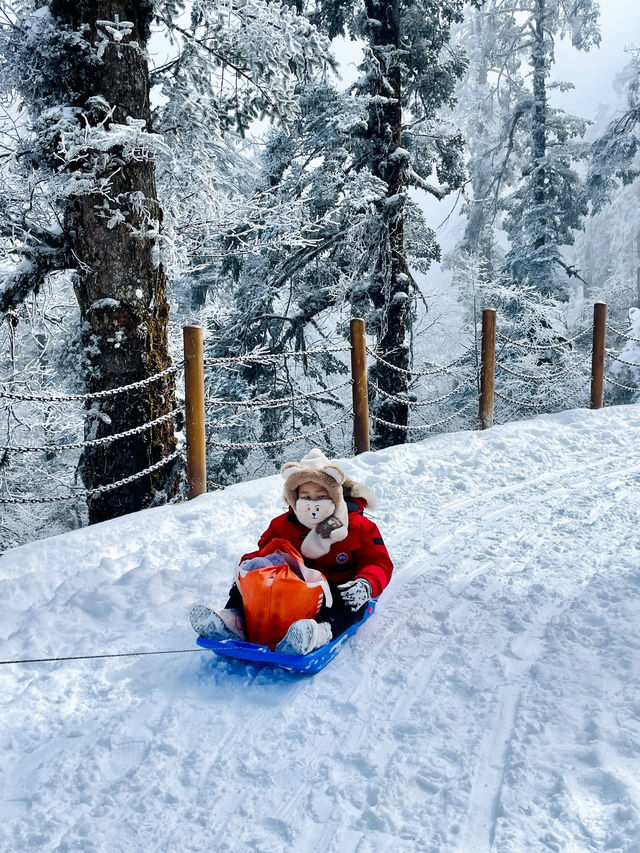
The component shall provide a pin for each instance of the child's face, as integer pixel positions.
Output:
(313, 504)
(312, 492)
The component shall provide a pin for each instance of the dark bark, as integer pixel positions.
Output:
(390, 291)
(539, 140)
(120, 286)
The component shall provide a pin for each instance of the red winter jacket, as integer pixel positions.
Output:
(361, 555)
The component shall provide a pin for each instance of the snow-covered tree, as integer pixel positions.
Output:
(615, 160)
(295, 288)
(409, 73)
(82, 72)
(88, 162)
(524, 152)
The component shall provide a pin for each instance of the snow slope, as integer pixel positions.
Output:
(491, 703)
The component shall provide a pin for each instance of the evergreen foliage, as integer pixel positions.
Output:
(524, 149)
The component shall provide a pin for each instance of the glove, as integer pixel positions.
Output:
(355, 593)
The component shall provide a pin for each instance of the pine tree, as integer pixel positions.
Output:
(614, 161)
(523, 163)
(82, 71)
(408, 75)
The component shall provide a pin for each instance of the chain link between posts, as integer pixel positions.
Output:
(531, 377)
(421, 427)
(620, 385)
(96, 395)
(254, 445)
(415, 404)
(543, 347)
(93, 442)
(622, 334)
(278, 401)
(99, 490)
(621, 360)
(267, 357)
(446, 368)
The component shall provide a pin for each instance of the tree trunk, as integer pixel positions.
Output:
(120, 284)
(539, 146)
(390, 292)
(478, 238)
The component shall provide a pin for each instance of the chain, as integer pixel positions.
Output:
(97, 395)
(280, 442)
(621, 360)
(100, 489)
(620, 385)
(266, 357)
(439, 368)
(211, 484)
(422, 426)
(277, 402)
(536, 406)
(94, 442)
(550, 378)
(541, 347)
(622, 334)
(413, 404)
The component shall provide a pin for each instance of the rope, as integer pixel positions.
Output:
(96, 395)
(95, 657)
(266, 357)
(621, 360)
(278, 401)
(535, 378)
(253, 445)
(413, 404)
(622, 334)
(94, 442)
(541, 347)
(439, 368)
(620, 385)
(97, 491)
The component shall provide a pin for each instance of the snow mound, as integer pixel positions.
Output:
(491, 703)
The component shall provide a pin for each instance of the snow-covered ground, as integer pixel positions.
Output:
(491, 703)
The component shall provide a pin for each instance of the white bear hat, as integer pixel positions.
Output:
(316, 468)
(313, 468)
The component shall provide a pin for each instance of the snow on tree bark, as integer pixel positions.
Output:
(113, 235)
(391, 278)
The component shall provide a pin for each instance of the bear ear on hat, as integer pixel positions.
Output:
(290, 468)
(335, 473)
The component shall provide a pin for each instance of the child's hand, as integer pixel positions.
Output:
(355, 593)
(326, 527)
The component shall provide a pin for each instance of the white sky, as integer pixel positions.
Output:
(593, 73)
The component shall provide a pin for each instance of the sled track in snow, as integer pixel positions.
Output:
(490, 763)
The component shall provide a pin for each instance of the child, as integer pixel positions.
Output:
(325, 522)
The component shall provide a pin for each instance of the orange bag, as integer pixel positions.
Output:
(274, 596)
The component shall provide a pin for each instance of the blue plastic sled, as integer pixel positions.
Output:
(313, 662)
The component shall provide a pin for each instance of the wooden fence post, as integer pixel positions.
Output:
(487, 368)
(597, 354)
(359, 388)
(194, 396)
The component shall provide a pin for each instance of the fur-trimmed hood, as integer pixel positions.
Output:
(316, 468)
(351, 489)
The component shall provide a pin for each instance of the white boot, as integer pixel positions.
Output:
(304, 636)
(216, 625)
